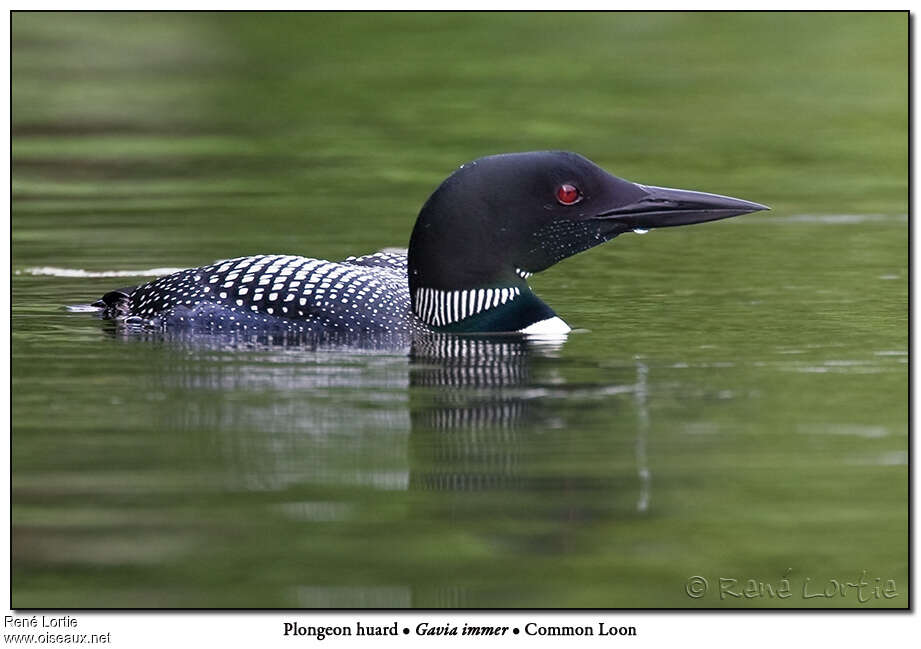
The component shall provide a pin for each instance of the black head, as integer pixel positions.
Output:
(499, 218)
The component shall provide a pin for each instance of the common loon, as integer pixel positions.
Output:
(478, 238)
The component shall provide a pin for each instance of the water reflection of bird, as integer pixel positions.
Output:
(480, 407)
(487, 434)
(450, 413)
(506, 447)
(486, 229)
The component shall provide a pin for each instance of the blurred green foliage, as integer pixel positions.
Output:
(775, 344)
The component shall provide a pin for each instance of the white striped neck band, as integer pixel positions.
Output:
(440, 308)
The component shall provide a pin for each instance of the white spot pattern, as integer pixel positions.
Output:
(360, 294)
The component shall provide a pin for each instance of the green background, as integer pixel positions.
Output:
(734, 402)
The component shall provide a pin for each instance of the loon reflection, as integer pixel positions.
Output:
(497, 436)
(446, 412)
(479, 403)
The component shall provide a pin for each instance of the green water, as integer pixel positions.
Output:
(733, 404)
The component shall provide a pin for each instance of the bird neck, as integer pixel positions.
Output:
(461, 271)
(499, 308)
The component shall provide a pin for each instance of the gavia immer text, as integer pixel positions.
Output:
(478, 238)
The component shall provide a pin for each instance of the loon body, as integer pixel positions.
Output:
(278, 293)
(478, 238)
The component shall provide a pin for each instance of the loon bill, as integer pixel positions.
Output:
(478, 238)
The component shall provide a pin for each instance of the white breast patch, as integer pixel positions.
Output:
(552, 325)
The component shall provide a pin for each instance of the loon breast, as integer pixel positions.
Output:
(367, 294)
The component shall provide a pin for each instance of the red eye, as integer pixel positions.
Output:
(568, 194)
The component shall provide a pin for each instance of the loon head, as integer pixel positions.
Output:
(499, 219)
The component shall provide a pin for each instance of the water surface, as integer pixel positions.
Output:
(733, 402)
